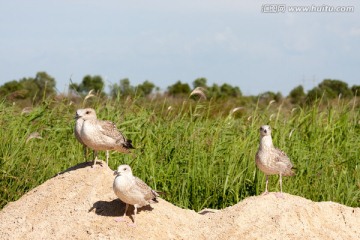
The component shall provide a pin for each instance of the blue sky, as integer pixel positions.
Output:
(228, 41)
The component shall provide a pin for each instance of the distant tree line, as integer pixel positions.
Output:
(35, 89)
(42, 86)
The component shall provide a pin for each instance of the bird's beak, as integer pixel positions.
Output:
(77, 116)
(115, 172)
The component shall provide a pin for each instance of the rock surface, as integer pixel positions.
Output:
(80, 204)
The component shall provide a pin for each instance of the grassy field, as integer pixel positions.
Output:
(197, 152)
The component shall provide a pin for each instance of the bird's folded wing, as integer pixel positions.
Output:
(145, 189)
(282, 157)
(109, 129)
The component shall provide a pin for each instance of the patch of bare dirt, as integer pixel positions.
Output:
(80, 204)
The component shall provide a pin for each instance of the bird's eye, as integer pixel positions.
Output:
(87, 112)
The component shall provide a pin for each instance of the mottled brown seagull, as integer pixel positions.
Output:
(132, 190)
(271, 160)
(101, 135)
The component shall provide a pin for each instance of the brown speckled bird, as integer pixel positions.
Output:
(101, 135)
(271, 160)
(132, 190)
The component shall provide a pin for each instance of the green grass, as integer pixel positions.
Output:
(196, 152)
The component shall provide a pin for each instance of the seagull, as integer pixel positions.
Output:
(101, 135)
(271, 160)
(132, 190)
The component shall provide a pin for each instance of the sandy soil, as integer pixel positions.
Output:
(80, 204)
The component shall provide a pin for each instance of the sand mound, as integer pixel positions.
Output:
(80, 204)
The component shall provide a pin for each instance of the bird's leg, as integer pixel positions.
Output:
(121, 219)
(266, 185)
(267, 182)
(85, 151)
(95, 157)
(107, 157)
(126, 208)
(135, 211)
(280, 195)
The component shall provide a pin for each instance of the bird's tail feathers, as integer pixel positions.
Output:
(290, 172)
(156, 194)
(154, 200)
(128, 144)
(124, 147)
